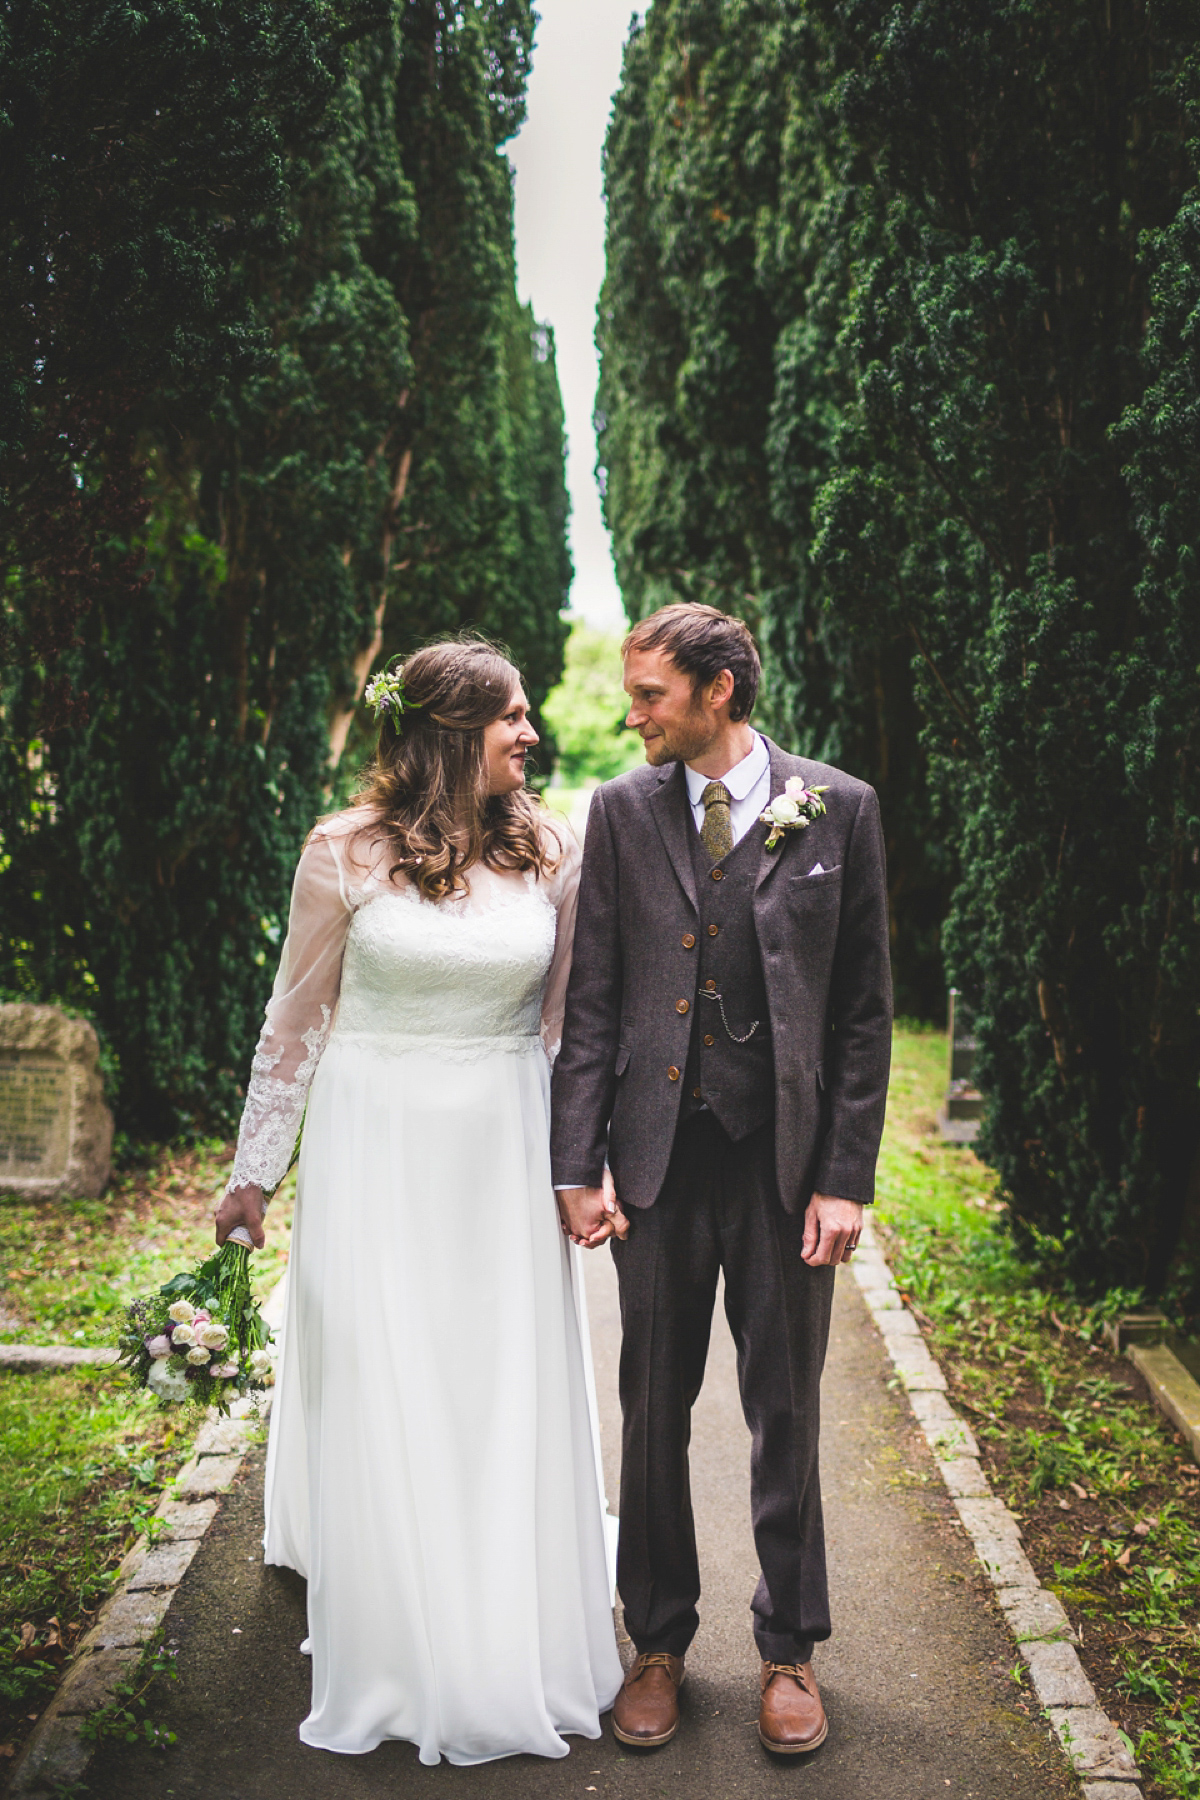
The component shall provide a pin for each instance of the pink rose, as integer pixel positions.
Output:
(159, 1346)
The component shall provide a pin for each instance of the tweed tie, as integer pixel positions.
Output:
(716, 833)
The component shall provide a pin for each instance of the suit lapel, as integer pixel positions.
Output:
(770, 859)
(669, 809)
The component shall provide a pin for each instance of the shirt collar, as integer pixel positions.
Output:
(741, 780)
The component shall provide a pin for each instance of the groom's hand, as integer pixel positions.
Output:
(590, 1216)
(831, 1230)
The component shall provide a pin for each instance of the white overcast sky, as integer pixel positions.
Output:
(560, 246)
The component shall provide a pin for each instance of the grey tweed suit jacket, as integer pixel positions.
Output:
(823, 940)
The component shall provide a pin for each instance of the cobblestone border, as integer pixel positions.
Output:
(1040, 1626)
(57, 1753)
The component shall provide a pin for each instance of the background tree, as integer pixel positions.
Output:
(586, 712)
(292, 514)
(974, 233)
(731, 191)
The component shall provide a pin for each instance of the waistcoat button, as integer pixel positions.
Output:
(697, 1093)
(672, 1073)
(681, 1006)
(689, 942)
(711, 986)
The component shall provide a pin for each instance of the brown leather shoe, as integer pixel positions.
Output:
(646, 1712)
(791, 1718)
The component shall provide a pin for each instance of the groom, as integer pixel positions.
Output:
(726, 1051)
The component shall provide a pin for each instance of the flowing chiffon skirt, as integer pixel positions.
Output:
(432, 1466)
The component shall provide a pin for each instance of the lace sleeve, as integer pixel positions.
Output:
(563, 890)
(298, 1021)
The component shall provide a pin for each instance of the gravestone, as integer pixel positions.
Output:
(962, 1110)
(55, 1130)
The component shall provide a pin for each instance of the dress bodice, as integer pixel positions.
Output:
(366, 960)
(452, 973)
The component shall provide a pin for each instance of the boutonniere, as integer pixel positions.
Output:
(792, 810)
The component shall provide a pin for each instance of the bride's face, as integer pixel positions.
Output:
(505, 743)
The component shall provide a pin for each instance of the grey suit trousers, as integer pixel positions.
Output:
(719, 1210)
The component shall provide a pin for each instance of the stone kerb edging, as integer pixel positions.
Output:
(57, 1754)
(1039, 1624)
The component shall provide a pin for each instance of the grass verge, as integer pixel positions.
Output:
(83, 1462)
(1107, 1496)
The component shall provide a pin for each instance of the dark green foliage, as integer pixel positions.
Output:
(981, 501)
(297, 508)
(980, 432)
(731, 196)
(140, 152)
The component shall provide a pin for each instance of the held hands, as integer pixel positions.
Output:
(590, 1216)
(245, 1206)
(831, 1230)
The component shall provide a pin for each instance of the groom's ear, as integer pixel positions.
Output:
(719, 690)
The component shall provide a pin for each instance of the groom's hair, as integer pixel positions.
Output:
(702, 641)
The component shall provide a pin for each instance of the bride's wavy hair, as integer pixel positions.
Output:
(427, 782)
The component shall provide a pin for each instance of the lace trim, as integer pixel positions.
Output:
(274, 1110)
(450, 1049)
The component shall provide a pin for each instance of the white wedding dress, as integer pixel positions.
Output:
(431, 1467)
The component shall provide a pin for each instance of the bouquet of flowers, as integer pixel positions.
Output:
(201, 1338)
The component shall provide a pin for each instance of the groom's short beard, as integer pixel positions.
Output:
(690, 739)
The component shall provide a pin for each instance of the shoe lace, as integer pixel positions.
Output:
(792, 1669)
(652, 1659)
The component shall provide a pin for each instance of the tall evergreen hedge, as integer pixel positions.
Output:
(971, 420)
(380, 423)
(722, 389)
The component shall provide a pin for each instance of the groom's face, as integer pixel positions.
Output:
(674, 721)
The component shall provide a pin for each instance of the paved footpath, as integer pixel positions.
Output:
(916, 1679)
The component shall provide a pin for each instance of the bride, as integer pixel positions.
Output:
(431, 1468)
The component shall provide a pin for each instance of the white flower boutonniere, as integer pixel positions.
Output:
(792, 810)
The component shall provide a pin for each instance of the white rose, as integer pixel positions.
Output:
(213, 1336)
(259, 1365)
(183, 1312)
(198, 1355)
(784, 811)
(183, 1335)
(168, 1381)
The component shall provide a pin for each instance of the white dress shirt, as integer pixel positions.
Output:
(749, 784)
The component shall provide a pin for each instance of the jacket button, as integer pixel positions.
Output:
(672, 1073)
(697, 1093)
(718, 874)
(711, 986)
(689, 942)
(710, 1041)
(713, 930)
(681, 1006)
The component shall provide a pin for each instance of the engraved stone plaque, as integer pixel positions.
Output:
(55, 1129)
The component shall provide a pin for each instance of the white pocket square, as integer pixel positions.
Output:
(820, 869)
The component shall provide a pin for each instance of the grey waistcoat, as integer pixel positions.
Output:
(736, 1081)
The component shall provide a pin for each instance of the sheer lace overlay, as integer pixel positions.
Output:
(367, 961)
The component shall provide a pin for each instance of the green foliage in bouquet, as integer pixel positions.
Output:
(201, 1339)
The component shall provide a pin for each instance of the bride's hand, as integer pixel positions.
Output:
(245, 1206)
(590, 1216)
